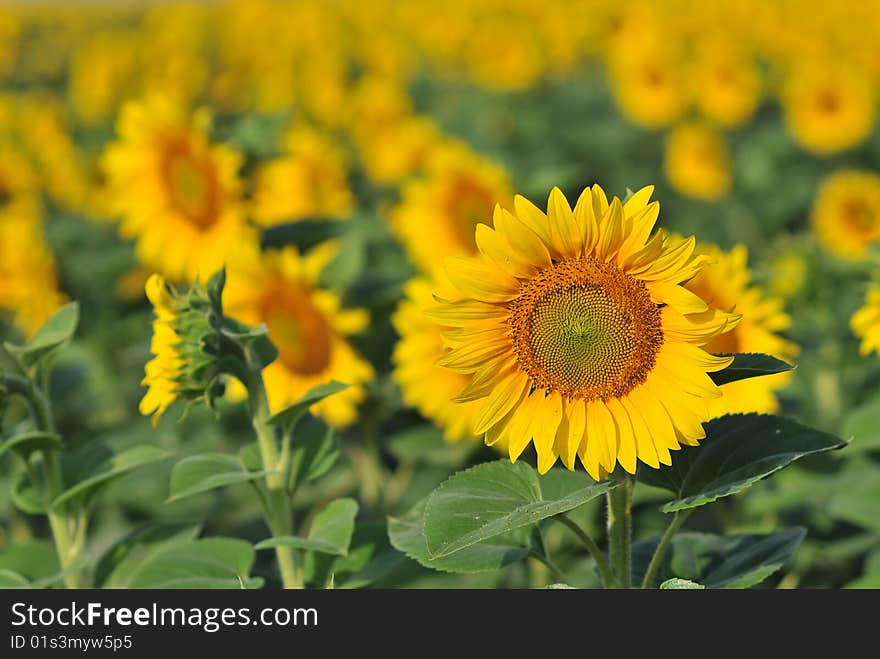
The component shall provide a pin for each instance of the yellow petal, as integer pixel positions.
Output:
(478, 279)
(530, 247)
(543, 430)
(508, 395)
(626, 450)
(563, 228)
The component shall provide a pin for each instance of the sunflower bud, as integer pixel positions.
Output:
(194, 345)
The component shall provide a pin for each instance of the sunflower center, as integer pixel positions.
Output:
(192, 184)
(297, 328)
(859, 216)
(585, 329)
(828, 102)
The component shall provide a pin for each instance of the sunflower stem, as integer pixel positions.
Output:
(67, 547)
(278, 511)
(657, 559)
(592, 547)
(620, 529)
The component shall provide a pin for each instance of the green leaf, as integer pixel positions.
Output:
(494, 498)
(407, 534)
(204, 563)
(54, 333)
(313, 452)
(348, 265)
(31, 560)
(560, 586)
(855, 496)
(10, 579)
(96, 465)
(207, 471)
(750, 365)
(862, 428)
(125, 556)
(681, 584)
(370, 557)
(26, 495)
(289, 416)
(27, 442)
(738, 451)
(739, 561)
(330, 531)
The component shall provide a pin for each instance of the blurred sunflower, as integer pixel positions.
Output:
(309, 181)
(726, 285)
(28, 279)
(648, 83)
(438, 213)
(578, 335)
(178, 194)
(865, 322)
(846, 213)
(696, 162)
(306, 323)
(829, 108)
(424, 385)
(726, 82)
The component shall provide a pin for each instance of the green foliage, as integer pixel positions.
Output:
(329, 533)
(290, 415)
(738, 451)
(207, 471)
(749, 365)
(55, 333)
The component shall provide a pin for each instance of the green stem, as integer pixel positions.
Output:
(68, 543)
(557, 573)
(620, 529)
(592, 547)
(660, 552)
(278, 511)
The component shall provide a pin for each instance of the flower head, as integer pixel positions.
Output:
(696, 162)
(578, 335)
(846, 213)
(865, 322)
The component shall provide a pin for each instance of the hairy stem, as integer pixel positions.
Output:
(657, 559)
(620, 529)
(592, 547)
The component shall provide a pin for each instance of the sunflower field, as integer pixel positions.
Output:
(392, 294)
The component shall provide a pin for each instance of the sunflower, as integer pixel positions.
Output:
(177, 194)
(865, 322)
(306, 323)
(309, 180)
(438, 213)
(28, 279)
(648, 84)
(162, 372)
(578, 335)
(829, 108)
(846, 213)
(726, 284)
(424, 385)
(726, 82)
(696, 162)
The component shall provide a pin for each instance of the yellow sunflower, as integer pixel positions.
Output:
(309, 180)
(578, 335)
(162, 372)
(846, 213)
(829, 107)
(438, 213)
(28, 279)
(306, 323)
(648, 84)
(726, 82)
(725, 284)
(178, 195)
(696, 162)
(865, 322)
(424, 385)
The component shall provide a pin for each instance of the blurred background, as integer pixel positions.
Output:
(331, 154)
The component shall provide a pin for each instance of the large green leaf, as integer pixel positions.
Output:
(31, 560)
(739, 561)
(207, 471)
(54, 333)
(407, 534)
(205, 563)
(288, 417)
(125, 556)
(495, 498)
(94, 466)
(27, 442)
(750, 365)
(681, 584)
(329, 533)
(738, 451)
